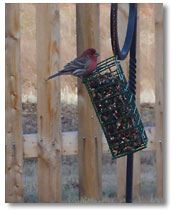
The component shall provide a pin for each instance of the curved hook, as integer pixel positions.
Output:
(129, 34)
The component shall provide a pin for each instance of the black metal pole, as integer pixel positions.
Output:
(132, 84)
(129, 45)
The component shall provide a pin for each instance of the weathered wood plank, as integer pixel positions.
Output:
(136, 160)
(30, 145)
(121, 178)
(121, 162)
(159, 95)
(70, 143)
(89, 138)
(150, 131)
(48, 96)
(13, 119)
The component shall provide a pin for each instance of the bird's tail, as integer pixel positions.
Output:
(54, 75)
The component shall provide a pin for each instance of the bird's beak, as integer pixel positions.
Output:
(52, 76)
(96, 54)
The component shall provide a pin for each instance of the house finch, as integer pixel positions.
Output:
(81, 66)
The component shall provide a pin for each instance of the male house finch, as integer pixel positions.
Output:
(81, 66)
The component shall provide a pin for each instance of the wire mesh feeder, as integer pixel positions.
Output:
(115, 108)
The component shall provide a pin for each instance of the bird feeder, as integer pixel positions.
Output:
(115, 108)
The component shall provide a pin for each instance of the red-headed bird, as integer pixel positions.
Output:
(81, 66)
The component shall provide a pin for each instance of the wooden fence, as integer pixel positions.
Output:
(49, 144)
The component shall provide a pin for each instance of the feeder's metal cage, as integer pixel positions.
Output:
(115, 108)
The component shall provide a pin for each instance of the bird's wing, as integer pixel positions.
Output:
(78, 63)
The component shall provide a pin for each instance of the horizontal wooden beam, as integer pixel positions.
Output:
(70, 143)
(30, 145)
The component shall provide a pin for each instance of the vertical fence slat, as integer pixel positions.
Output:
(159, 95)
(121, 178)
(136, 160)
(136, 175)
(121, 162)
(13, 119)
(48, 96)
(89, 138)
